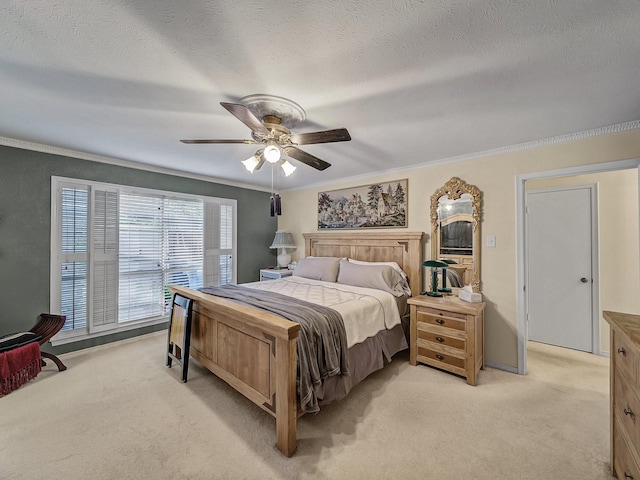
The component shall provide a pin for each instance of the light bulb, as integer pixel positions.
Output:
(272, 153)
(251, 163)
(287, 168)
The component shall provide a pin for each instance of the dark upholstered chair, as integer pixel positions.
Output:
(179, 336)
(47, 326)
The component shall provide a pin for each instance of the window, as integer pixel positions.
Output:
(115, 249)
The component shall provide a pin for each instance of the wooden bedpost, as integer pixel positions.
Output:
(286, 405)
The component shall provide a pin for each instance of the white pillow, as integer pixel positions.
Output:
(393, 265)
(318, 268)
(380, 277)
(405, 285)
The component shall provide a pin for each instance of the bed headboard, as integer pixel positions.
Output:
(404, 248)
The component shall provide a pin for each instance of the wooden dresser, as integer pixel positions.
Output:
(625, 394)
(448, 333)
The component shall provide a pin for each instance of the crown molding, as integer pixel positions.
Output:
(39, 147)
(570, 137)
(545, 142)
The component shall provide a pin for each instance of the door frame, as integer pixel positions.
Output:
(595, 272)
(521, 273)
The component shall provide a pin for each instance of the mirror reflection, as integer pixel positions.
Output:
(455, 218)
(455, 225)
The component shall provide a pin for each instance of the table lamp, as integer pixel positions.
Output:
(444, 275)
(283, 240)
(434, 265)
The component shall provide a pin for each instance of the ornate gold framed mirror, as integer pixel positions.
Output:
(455, 229)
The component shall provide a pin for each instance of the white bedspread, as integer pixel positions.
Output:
(365, 311)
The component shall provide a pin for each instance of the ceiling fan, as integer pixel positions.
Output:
(270, 119)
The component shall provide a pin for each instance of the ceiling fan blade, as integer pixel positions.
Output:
(306, 158)
(243, 114)
(327, 136)
(247, 142)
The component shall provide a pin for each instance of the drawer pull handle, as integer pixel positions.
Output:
(628, 475)
(440, 321)
(622, 351)
(440, 357)
(440, 339)
(629, 412)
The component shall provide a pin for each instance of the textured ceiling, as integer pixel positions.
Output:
(413, 81)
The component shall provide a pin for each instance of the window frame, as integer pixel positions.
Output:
(91, 331)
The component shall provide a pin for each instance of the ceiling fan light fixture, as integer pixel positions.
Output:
(287, 168)
(270, 118)
(272, 152)
(251, 163)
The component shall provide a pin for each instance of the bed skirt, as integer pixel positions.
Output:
(364, 359)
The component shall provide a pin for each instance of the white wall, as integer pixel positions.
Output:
(495, 177)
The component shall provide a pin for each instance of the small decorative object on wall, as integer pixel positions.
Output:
(379, 205)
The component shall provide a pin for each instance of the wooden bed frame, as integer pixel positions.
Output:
(255, 351)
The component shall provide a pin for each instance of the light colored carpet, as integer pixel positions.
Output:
(119, 413)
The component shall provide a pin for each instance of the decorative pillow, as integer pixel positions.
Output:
(318, 268)
(381, 277)
(395, 266)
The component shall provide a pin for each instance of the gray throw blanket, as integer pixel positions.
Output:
(321, 344)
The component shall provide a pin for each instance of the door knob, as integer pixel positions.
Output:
(584, 280)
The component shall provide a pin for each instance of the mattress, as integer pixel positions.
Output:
(365, 311)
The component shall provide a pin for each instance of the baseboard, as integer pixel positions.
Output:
(499, 366)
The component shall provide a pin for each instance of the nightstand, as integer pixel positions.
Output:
(447, 333)
(273, 273)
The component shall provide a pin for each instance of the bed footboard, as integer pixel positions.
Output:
(253, 351)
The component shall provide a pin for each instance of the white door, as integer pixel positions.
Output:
(559, 287)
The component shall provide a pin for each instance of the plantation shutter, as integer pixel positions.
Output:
(219, 243)
(183, 248)
(141, 276)
(104, 302)
(226, 243)
(73, 255)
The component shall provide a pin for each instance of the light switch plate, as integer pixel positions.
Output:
(491, 241)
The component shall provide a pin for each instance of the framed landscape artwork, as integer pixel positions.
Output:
(378, 205)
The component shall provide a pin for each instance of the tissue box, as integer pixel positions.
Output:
(469, 296)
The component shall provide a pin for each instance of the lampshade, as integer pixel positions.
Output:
(283, 240)
(434, 264)
(254, 162)
(251, 163)
(272, 152)
(287, 168)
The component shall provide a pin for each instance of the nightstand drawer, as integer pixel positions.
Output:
(441, 359)
(424, 333)
(274, 274)
(440, 318)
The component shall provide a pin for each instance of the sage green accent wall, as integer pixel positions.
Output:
(25, 229)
